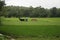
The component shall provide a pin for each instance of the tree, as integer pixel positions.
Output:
(2, 3)
(53, 12)
(58, 12)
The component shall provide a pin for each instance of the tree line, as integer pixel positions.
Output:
(16, 11)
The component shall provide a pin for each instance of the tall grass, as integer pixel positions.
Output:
(31, 30)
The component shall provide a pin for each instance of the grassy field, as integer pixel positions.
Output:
(42, 29)
(40, 21)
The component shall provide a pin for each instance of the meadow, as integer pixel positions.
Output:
(40, 21)
(43, 28)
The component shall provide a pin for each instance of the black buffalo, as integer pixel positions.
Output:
(23, 19)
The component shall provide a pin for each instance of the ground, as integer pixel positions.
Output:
(42, 29)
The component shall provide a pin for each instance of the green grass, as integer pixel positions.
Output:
(43, 28)
(38, 38)
(40, 21)
(32, 30)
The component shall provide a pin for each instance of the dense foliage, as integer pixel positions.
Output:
(2, 3)
(17, 11)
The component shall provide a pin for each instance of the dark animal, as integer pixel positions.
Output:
(23, 19)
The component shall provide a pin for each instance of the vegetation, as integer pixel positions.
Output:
(43, 31)
(2, 3)
(44, 27)
(40, 21)
(16, 11)
(38, 39)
